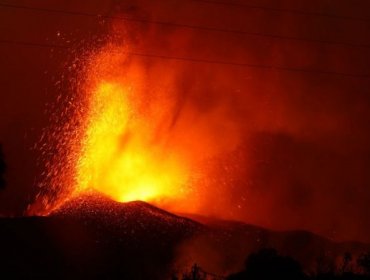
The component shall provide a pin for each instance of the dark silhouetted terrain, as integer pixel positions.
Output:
(93, 237)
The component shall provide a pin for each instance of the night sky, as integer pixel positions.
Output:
(303, 149)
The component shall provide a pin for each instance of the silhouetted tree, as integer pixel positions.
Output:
(346, 264)
(268, 264)
(2, 168)
(325, 264)
(364, 262)
(195, 274)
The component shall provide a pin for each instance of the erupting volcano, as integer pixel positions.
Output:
(139, 138)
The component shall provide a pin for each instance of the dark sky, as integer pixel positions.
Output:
(304, 153)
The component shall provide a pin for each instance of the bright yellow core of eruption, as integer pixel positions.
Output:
(120, 155)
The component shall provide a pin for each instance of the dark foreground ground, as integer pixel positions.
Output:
(93, 237)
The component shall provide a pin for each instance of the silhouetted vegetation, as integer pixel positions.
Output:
(364, 262)
(346, 264)
(195, 273)
(325, 266)
(327, 270)
(2, 168)
(268, 264)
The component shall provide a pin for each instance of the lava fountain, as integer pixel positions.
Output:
(127, 151)
(121, 156)
(131, 135)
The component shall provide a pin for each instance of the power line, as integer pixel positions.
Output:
(32, 44)
(188, 26)
(204, 61)
(281, 10)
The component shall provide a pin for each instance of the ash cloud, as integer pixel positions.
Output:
(299, 151)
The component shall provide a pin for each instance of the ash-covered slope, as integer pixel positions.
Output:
(93, 237)
(131, 219)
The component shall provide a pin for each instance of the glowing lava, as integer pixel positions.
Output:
(120, 156)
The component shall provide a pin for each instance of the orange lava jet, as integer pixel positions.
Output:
(131, 134)
(121, 157)
(127, 152)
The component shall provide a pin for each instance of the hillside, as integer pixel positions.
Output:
(93, 237)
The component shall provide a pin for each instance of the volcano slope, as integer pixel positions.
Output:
(94, 237)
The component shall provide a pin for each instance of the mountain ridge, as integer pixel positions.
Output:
(91, 235)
